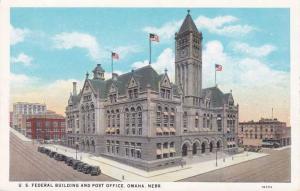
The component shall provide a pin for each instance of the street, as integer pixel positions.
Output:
(275, 167)
(26, 164)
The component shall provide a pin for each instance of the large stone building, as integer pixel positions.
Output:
(142, 119)
(23, 110)
(265, 132)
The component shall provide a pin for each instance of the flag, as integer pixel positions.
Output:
(218, 67)
(154, 37)
(115, 55)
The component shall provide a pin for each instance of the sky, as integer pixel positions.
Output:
(52, 47)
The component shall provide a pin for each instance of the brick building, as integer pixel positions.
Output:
(263, 133)
(50, 126)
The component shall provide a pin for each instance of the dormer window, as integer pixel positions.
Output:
(165, 93)
(133, 93)
(113, 98)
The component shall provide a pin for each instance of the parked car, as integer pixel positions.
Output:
(80, 167)
(67, 159)
(95, 171)
(76, 164)
(47, 151)
(71, 162)
(86, 169)
(59, 157)
(52, 153)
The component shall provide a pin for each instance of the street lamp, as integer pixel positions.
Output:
(76, 148)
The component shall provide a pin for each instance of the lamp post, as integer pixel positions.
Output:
(76, 148)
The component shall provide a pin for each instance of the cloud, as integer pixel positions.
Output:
(17, 35)
(78, 40)
(260, 51)
(124, 51)
(221, 25)
(164, 61)
(256, 86)
(166, 31)
(22, 58)
(107, 75)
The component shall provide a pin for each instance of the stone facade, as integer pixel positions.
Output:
(142, 119)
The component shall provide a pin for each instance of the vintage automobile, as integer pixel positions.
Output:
(95, 171)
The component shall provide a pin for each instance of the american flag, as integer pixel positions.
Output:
(218, 67)
(115, 55)
(154, 37)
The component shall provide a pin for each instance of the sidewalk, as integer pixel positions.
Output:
(282, 148)
(20, 135)
(119, 170)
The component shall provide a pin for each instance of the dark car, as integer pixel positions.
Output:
(76, 164)
(80, 167)
(71, 161)
(47, 151)
(51, 155)
(86, 169)
(59, 157)
(67, 159)
(95, 171)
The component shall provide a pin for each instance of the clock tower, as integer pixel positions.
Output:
(188, 58)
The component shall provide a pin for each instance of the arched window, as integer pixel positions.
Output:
(203, 147)
(195, 148)
(204, 121)
(133, 116)
(197, 120)
(108, 118)
(140, 116)
(118, 118)
(172, 117)
(127, 117)
(166, 117)
(158, 116)
(184, 150)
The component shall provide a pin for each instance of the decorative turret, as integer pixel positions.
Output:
(99, 72)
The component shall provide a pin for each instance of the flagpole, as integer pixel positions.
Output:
(112, 64)
(149, 50)
(215, 76)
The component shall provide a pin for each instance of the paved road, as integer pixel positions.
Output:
(275, 167)
(26, 164)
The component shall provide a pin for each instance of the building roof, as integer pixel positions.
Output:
(216, 96)
(145, 77)
(188, 24)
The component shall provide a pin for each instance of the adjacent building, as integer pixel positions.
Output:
(265, 132)
(143, 119)
(49, 126)
(22, 111)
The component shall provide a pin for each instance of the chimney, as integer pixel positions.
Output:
(74, 88)
(114, 76)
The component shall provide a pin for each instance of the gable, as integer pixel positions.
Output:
(113, 88)
(132, 83)
(165, 82)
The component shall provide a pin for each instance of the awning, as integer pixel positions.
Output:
(107, 130)
(166, 150)
(158, 151)
(219, 118)
(172, 150)
(197, 117)
(228, 129)
(112, 130)
(158, 130)
(172, 129)
(166, 129)
(172, 113)
(166, 113)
